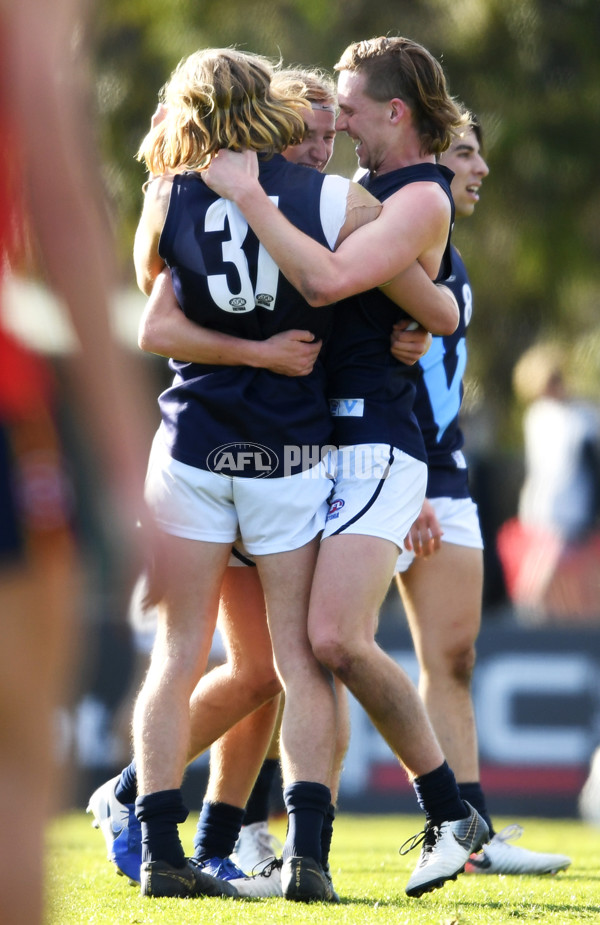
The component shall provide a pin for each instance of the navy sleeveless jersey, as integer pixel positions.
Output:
(440, 393)
(371, 393)
(225, 280)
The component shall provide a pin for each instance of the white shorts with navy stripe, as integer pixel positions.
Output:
(378, 491)
(240, 557)
(270, 515)
(459, 520)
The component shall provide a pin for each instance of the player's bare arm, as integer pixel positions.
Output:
(370, 257)
(432, 306)
(147, 261)
(412, 289)
(165, 330)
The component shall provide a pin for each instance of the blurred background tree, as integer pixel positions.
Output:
(530, 70)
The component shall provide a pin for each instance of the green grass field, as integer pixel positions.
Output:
(369, 875)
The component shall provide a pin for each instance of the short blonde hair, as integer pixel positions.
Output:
(398, 67)
(220, 98)
(310, 84)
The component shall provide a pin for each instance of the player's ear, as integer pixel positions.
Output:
(398, 109)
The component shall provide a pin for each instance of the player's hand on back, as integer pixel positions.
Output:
(291, 353)
(409, 341)
(231, 173)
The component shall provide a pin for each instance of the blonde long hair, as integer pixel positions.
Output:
(220, 98)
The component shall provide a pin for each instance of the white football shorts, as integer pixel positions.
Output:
(270, 515)
(378, 491)
(458, 519)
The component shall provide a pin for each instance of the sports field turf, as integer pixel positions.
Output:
(368, 873)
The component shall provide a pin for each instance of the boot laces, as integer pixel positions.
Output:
(268, 869)
(428, 837)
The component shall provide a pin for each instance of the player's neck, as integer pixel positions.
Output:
(406, 150)
(397, 162)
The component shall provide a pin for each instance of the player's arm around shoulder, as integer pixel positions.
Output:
(409, 226)
(432, 305)
(147, 261)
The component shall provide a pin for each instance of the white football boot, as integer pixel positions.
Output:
(121, 829)
(446, 849)
(255, 847)
(498, 857)
(267, 882)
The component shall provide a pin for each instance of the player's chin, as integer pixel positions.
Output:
(464, 208)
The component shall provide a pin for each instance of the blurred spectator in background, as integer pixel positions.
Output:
(551, 551)
(49, 196)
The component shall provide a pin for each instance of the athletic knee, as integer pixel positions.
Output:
(334, 653)
(260, 688)
(457, 664)
(463, 663)
(254, 683)
(253, 667)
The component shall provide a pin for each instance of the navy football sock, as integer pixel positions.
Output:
(217, 831)
(159, 814)
(327, 834)
(307, 804)
(257, 807)
(126, 789)
(438, 796)
(473, 794)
